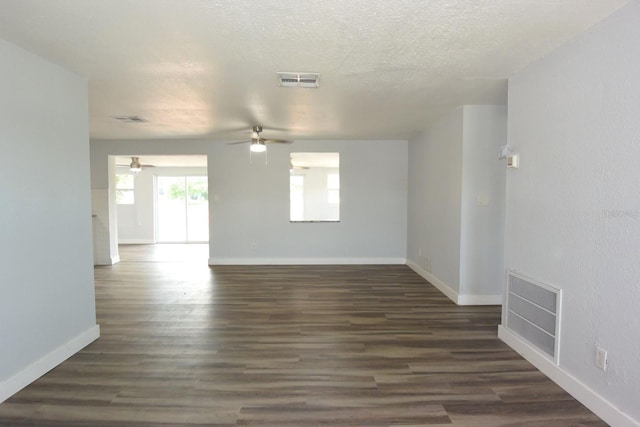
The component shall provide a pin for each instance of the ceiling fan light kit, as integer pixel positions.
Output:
(135, 165)
(258, 146)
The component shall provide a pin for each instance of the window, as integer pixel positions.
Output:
(125, 189)
(314, 187)
(333, 188)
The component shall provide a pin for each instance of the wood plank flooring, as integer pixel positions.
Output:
(187, 344)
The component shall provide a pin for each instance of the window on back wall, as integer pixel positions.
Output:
(333, 189)
(314, 187)
(125, 188)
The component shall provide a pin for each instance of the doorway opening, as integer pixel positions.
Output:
(182, 209)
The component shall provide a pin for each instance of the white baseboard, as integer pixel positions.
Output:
(459, 299)
(589, 398)
(107, 261)
(136, 241)
(469, 299)
(49, 361)
(305, 261)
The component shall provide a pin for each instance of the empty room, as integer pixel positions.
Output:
(398, 213)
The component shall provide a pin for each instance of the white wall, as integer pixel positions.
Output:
(434, 205)
(573, 207)
(249, 202)
(250, 206)
(482, 199)
(103, 203)
(456, 204)
(47, 308)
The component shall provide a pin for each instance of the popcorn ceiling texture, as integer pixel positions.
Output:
(196, 68)
(573, 212)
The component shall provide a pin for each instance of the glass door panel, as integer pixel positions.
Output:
(182, 209)
(171, 212)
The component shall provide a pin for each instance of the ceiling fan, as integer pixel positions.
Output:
(135, 165)
(258, 143)
(297, 167)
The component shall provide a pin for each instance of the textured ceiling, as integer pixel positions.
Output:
(207, 69)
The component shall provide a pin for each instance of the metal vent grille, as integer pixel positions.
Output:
(130, 119)
(533, 313)
(308, 80)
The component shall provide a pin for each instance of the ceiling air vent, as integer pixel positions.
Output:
(130, 119)
(311, 80)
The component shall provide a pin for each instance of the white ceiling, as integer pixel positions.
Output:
(207, 69)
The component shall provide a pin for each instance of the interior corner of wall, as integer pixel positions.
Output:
(436, 282)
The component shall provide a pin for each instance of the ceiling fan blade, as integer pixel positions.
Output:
(238, 142)
(277, 141)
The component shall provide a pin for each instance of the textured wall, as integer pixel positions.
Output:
(573, 207)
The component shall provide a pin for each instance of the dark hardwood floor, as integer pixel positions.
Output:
(187, 344)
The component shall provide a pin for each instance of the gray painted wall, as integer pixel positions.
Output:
(456, 204)
(482, 200)
(573, 207)
(46, 291)
(434, 209)
(249, 201)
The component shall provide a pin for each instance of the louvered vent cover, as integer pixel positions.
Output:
(130, 119)
(309, 80)
(533, 313)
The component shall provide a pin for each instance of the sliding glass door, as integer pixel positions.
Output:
(182, 209)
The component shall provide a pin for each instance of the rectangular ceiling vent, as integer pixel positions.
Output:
(130, 119)
(310, 80)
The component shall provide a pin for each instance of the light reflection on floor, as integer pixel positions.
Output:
(166, 252)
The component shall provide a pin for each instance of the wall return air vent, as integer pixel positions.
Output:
(533, 313)
(292, 79)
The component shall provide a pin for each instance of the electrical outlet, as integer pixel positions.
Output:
(601, 358)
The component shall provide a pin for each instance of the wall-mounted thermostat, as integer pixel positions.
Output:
(513, 161)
